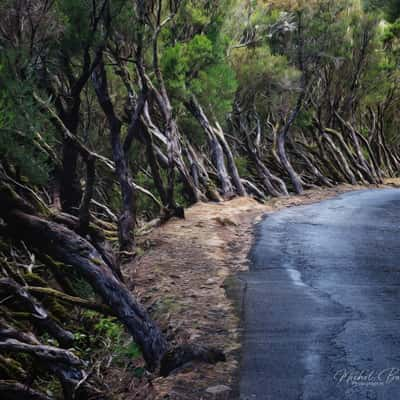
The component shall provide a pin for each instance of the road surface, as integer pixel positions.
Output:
(322, 302)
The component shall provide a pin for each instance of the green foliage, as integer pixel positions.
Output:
(197, 63)
(146, 206)
(304, 119)
(199, 53)
(191, 68)
(195, 15)
(390, 8)
(105, 335)
(391, 32)
(258, 54)
(80, 285)
(175, 68)
(130, 351)
(204, 16)
(20, 122)
(215, 88)
(242, 164)
(261, 73)
(109, 329)
(75, 17)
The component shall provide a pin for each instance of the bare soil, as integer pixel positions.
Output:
(181, 279)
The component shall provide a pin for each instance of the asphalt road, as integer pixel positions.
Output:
(322, 302)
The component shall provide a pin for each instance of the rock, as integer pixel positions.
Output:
(225, 221)
(219, 392)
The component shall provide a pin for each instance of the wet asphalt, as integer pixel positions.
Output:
(322, 302)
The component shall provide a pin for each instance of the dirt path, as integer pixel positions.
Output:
(181, 278)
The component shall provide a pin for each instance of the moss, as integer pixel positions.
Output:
(54, 306)
(34, 279)
(81, 287)
(10, 368)
(112, 238)
(53, 388)
(109, 232)
(96, 261)
(52, 263)
(139, 251)
(20, 315)
(58, 310)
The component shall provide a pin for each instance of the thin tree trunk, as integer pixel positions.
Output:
(341, 159)
(233, 171)
(70, 189)
(17, 391)
(313, 169)
(62, 363)
(200, 171)
(154, 166)
(126, 221)
(217, 153)
(40, 317)
(296, 181)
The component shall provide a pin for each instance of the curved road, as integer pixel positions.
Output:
(322, 302)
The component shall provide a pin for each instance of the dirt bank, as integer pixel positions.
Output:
(182, 277)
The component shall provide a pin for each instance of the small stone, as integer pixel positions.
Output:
(225, 221)
(219, 392)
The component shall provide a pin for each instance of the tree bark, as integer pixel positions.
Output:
(217, 153)
(127, 218)
(70, 188)
(154, 166)
(64, 245)
(341, 159)
(11, 390)
(296, 181)
(233, 171)
(40, 317)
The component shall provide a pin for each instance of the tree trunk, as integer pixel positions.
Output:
(297, 185)
(127, 218)
(296, 181)
(313, 169)
(217, 153)
(199, 173)
(233, 171)
(63, 363)
(154, 166)
(253, 148)
(193, 192)
(17, 391)
(70, 188)
(40, 317)
(64, 245)
(341, 159)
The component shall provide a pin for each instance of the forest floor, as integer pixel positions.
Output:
(182, 278)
